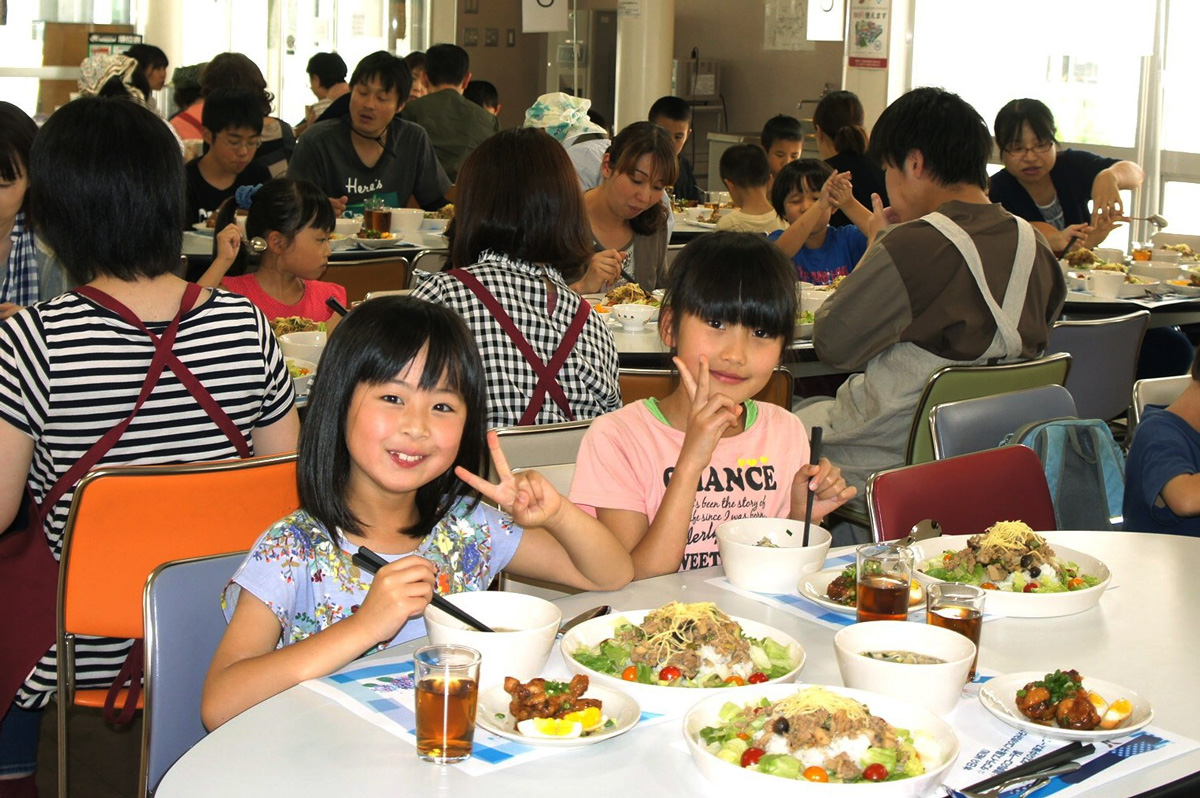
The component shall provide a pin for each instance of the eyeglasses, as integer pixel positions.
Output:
(247, 145)
(1041, 148)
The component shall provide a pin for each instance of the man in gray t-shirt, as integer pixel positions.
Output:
(371, 151)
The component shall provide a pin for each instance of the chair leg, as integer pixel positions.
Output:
(62, 741)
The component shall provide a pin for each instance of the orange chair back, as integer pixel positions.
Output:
(638, 384)
(359, 278)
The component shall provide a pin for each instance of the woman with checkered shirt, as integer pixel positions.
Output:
(518, 238)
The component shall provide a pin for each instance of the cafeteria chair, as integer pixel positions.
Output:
(638, 384)
(973, 425)
(1155, 392)
(124, 522)
(1104, 354)
(961, 495)
(432, 260)
(955, 383)
(184, 625)
(377, 294)
(362, 276)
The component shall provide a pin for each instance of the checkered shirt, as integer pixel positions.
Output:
(20, 284)
(589, 375)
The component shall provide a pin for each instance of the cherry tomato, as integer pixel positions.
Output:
(1030, 587)
(735, 680)
(743, 736)
(1075, 584)
(669, 674)
(875, 772)
(758, 677)
(751, 756)
(815, 773)
(946, 558)
(630, 674)
(989, 586)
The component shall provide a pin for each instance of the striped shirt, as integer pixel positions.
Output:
(70, 370)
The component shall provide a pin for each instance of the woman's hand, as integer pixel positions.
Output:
(528, 497)
(400, 590)
(1106, 194)
(603, 271)
(826, 481)
(711, 415)
(1102, 224)
(7, 309)
(1063, 241)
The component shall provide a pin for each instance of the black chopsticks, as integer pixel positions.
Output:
(814, 458)
(336, 307)
(1075, 750)
(371, 562)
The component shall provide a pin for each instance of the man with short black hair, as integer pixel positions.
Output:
(232, 123)
(953, 279)
(327, 80)
(674, 115)
(455, 125)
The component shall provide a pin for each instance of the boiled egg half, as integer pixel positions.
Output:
(573, 724)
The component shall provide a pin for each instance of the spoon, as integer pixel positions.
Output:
(1154, 219)
(371, 562)
(255, 246)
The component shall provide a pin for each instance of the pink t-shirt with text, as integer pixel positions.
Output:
(311, 305)
(626, 459)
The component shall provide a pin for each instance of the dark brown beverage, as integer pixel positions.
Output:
(882, 598)
(966, 621)
(446, 718)
(378, 220)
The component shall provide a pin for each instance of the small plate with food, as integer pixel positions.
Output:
(1065, 706)
(339, 242)
(377, 240)
(1184, 287)
(556, 714)
(834, 589)
(302, 372)
(1025, 575)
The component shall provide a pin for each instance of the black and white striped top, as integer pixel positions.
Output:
(70, 370)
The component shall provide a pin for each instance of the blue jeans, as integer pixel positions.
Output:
(19, 741)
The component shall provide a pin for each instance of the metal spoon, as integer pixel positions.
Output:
(1154, 219)
(256, 245)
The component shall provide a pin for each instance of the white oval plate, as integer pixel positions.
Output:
(1026, 605)
(659, 698)
(378, 243)
(900, 714)
(999, 697)
(623, 710)
(815, 585)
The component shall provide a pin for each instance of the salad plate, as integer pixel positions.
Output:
(661, 697)
(1010, 604)
(933, 738)
(621, 710)
(814, 587)
(999, 697)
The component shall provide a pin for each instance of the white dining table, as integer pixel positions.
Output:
(1142, 635)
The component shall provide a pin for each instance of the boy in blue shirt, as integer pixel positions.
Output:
(806, 193)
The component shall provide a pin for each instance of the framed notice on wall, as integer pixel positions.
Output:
(870, 30)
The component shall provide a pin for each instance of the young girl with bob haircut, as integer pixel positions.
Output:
(518, 232)
(296, 220)
(662, 473)
(627, 215)
(387, 460)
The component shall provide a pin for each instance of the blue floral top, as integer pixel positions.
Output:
(310, 583)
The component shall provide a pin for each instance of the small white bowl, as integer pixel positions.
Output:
(633, 317)
(936, 687)
(1157, 270)
(301, 383)
(434, 226)
(813, 299)
(348, 227)
(406, 220)
(767, 569)
(521, 651)
(304, 345)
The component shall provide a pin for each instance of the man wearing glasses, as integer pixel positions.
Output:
(232, 123)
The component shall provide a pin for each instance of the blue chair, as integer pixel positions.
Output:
(184, 625)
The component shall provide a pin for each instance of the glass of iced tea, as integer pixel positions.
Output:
(958, 608)
(376, 216)
(1142, 251)
(447, 691)
(884, 576)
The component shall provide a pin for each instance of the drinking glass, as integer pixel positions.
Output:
(958, 608)
(1142, 251)
(376, 216)
(447, 679)
(884, 576)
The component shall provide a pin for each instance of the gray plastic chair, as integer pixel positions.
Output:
(1155, 391)
(1104, 354)
(184, 624)
(973, 425)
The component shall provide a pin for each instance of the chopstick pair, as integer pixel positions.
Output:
(814, 458)
(371, 562)
(1075, 750)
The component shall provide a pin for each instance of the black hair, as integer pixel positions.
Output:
(745, 165)
(627, 148)
(482, 93)
(415, 61)
(148, 56)
(735, 278)
(805, 174)
(391, 72)
(781, 128)
(107, 190)
(446, 65)
(228, 70)
(518, 195)
(951, 136)
(115, 86)
(283, 205)
(17, 132)
(329, 69)
(598, 119)
(1034, 113)
(232, 109)
(375, 342)
(840, 116)
(674, 108)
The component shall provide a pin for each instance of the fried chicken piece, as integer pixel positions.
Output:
(1077, 712)
(1035, 704)
(533, 700)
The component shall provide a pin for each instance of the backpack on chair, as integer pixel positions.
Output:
(1085, 469)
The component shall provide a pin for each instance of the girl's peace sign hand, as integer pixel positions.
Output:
(528, 497)
(710, 416)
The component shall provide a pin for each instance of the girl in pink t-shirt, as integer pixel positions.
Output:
(662, 474)
(295, 219)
